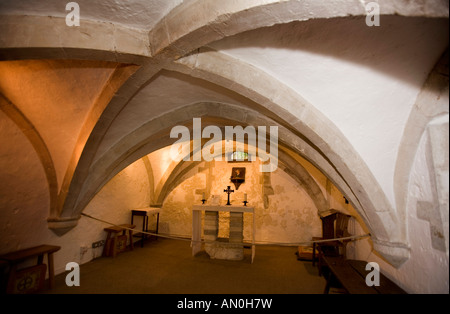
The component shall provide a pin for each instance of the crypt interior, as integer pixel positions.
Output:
(87, 114)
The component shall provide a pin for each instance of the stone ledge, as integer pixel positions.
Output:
(61, 225)
(222, 249)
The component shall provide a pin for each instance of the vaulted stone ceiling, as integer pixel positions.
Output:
(96, 97)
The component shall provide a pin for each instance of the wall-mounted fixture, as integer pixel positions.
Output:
(237, 176)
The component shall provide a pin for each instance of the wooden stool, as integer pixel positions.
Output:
(17, 257)
(113, 243)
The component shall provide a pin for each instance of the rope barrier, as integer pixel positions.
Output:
(258, 243)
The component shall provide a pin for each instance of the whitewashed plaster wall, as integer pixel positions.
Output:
(286, 220)
(21, 220)
(57, 110)
(427, 270)
(352, 74)
(410, 59)
(24, 197)
(126, 191)
(159, 162)
(291, 216)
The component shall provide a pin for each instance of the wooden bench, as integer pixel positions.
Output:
(112, 239)
(351, 274)
(13, 259)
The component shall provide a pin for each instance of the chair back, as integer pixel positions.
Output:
(342, 225)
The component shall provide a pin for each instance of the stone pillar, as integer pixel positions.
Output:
(211, 231)
(211, 226)
(236, 248)
(236, 227)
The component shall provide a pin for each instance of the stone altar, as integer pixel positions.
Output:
(231, 248)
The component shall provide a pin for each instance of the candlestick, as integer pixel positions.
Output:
(203, 198)
(245, 196)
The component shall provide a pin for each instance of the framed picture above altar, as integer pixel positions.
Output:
(237, 176)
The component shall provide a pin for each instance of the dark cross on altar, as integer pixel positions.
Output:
(228, 191)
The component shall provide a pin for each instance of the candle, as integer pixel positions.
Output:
(203, 195)
(245, 197)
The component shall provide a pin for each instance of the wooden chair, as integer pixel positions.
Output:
(334, 225)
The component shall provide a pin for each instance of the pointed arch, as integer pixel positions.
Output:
(38, 144)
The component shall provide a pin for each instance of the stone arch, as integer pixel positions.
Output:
(133, 151)
(284, 95)
(187, 26)
(150, 177)
(168, 40)
(140, 143)
(295, 170)
(303, 118)
(38, 144)
(177, 172)
(172, 40)
(174, 179)
(119, 76)
(431, 103)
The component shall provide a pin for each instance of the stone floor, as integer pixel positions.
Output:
(167, 267)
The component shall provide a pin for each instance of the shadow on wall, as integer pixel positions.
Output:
(373, 48)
